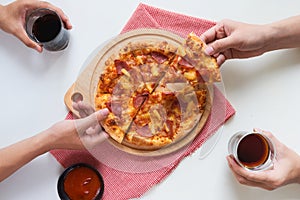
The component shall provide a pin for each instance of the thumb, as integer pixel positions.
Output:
(28, 42)
(102, 114)
(219, 46)
(83, 124)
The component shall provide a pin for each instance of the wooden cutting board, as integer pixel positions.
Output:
(85, 86)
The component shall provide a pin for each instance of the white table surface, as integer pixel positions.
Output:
(264, 91)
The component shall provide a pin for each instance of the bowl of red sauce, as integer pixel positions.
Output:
(80, 182)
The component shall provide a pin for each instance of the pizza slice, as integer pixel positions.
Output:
(128, 94)
(195, 64)
(155, 124)
(124, 101)
(167, 115)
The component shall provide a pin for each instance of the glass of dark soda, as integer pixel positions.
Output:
(252, 150)
(45, 27)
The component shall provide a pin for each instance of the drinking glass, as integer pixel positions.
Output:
(45, 27)
(252, 150)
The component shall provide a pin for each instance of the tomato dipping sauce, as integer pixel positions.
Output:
(80, 182)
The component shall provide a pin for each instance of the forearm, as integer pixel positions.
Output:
(285, 33)
(17, 155)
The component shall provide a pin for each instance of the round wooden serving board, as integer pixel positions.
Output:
(87, 81)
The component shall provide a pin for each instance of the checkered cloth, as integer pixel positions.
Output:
(126, 185)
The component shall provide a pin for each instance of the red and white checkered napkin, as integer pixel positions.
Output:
(126, 185)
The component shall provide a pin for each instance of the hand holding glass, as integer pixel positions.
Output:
(45, 27)
(252, 150)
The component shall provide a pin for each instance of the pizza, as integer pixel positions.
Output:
(156, 92)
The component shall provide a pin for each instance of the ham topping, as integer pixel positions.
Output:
(121, 65)
(139, 100)
(144, 131)
(158, 57)
(185, 63)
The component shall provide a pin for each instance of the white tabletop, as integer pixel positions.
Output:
(264, 91)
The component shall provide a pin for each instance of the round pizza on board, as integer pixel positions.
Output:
(156, 91)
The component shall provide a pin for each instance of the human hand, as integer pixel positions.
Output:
(83, 133)
(12, 19)
(230, 39)
(88, 127)
(286, 169)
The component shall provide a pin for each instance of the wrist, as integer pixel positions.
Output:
(274, 35)
(285, 33)
(43, 142)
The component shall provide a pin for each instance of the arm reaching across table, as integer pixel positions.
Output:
(231, 39)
